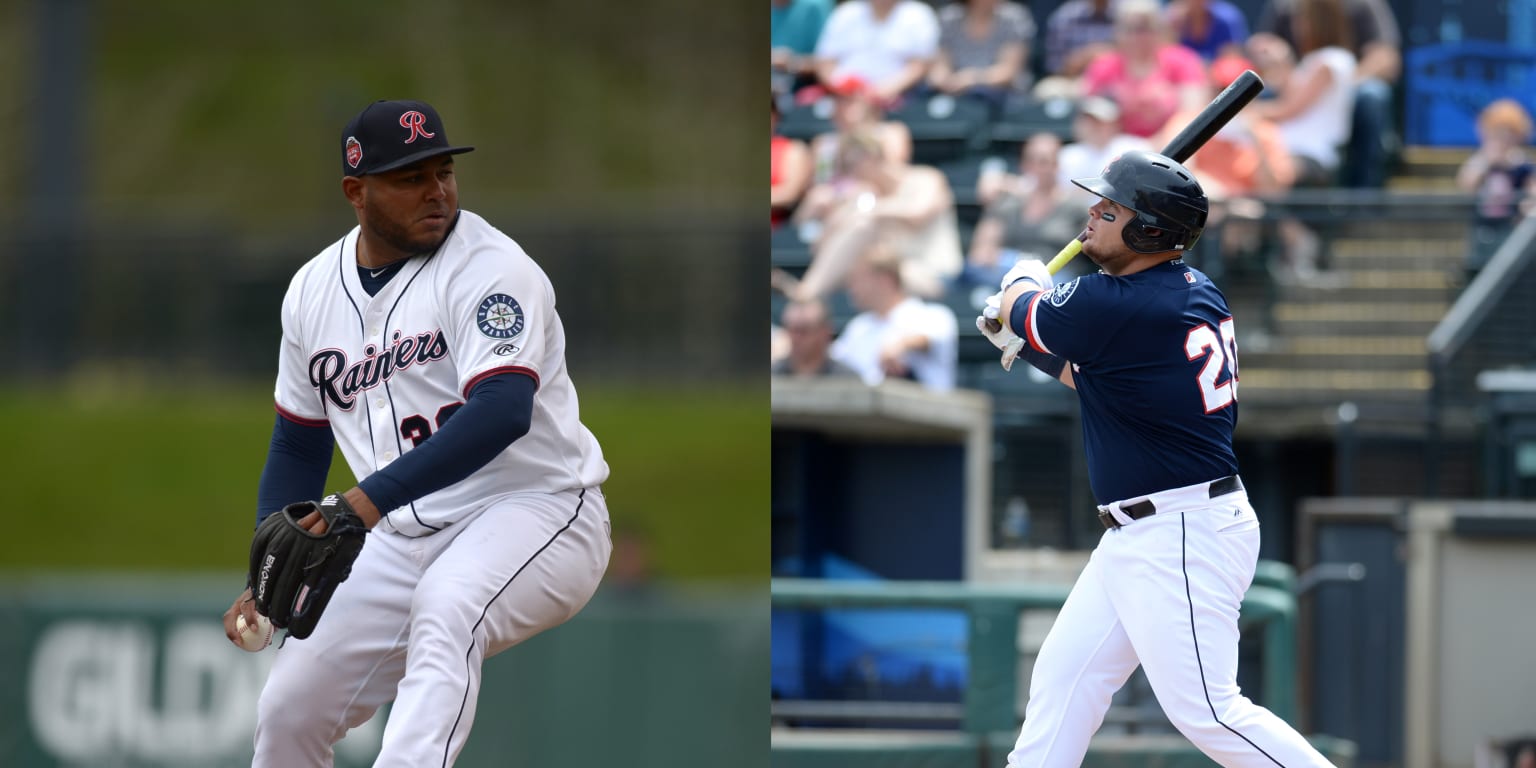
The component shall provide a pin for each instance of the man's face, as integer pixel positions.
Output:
(851, 111)
(1091, 130)
(411, 208)
(809, 331)
(1104, 241)
(1039, 161)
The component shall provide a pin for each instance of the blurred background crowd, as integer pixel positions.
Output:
(948, 133)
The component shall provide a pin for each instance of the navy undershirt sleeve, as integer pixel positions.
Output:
(1043, 362)
(297, 463)
(497, 412)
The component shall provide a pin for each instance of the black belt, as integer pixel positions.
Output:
(1145, 508)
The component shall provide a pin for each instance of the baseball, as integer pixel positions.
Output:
(254, 638)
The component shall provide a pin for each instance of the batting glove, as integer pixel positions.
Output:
(998, 332)
(1028, 269)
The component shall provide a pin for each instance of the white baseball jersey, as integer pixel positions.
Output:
(387, 370)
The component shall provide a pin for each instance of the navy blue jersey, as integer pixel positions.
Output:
(1154, 360)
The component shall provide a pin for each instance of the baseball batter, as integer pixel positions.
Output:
(425, 342)
(1148, 343)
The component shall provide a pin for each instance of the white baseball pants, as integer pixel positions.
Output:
(1164, 592)
(415, 621)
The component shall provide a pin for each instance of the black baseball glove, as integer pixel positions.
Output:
(294, 572)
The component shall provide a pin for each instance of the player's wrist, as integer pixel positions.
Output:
(362, 506)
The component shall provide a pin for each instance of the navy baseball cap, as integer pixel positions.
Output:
(390, 134)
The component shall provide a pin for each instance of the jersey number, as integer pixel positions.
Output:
(1220, 353)
(417, 428)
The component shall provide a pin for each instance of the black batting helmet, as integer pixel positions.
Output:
(1170, 206)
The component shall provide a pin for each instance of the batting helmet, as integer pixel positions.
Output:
(1170, 206)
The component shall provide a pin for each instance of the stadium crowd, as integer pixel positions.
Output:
(870, 191)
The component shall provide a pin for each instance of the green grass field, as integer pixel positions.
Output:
(167, 480)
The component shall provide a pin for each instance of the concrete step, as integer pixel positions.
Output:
(1442, 254)
(1428, 184)
(1372, 286)
(1404, 248)
(1271, 385)
(1289, 362)
(1327, 352)
(1452, 226)
(1353, 346)
(1325, 316)
(1420, 162)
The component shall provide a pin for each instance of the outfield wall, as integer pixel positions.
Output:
(120, 671)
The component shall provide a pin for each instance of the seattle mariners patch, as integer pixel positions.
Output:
(1059, 295)
(499, 316)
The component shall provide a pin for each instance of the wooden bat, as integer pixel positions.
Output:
(1218, 113)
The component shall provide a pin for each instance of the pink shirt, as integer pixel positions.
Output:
(1146, 102)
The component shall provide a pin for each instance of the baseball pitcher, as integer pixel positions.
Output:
(425, 343)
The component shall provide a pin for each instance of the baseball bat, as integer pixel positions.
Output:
(1218, 113)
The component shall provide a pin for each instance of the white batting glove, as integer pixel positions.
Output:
(998, 332)
(1029, 269)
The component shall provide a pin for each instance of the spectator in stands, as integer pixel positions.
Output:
(855, 108)
(1314, 88)
(794, 26)
(1075, 33)
(983, 47)
(1312, 106)
(1377, 46)
(1500, 174)
(1211, 28)
(909, 206)
(896, 335)
(1097, 138)
(1031, 219)
(1148, 74)
(808, 326)
(889, 44)
(789, 169)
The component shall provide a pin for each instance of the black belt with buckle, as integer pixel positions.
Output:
(1145, 508)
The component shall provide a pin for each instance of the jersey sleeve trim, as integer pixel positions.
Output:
(497, 371)
(300, 420)
(1031, 327)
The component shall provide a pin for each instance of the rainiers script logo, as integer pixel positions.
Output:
(499, 316)
(416, 123)
(1059, 295)
(340, 383)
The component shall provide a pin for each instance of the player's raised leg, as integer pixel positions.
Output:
(522, 566)
(335, 679)
(1187, 573)
(1086, 657)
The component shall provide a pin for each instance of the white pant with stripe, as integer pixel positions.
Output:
(1163, 592)
(417, 618)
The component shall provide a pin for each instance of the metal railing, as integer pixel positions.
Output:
(1488, 327)
(993, 609)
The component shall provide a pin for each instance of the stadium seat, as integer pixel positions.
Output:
(805, 122)
(943, 127)
(1023, 119)
(787, 250)
(962, 174)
